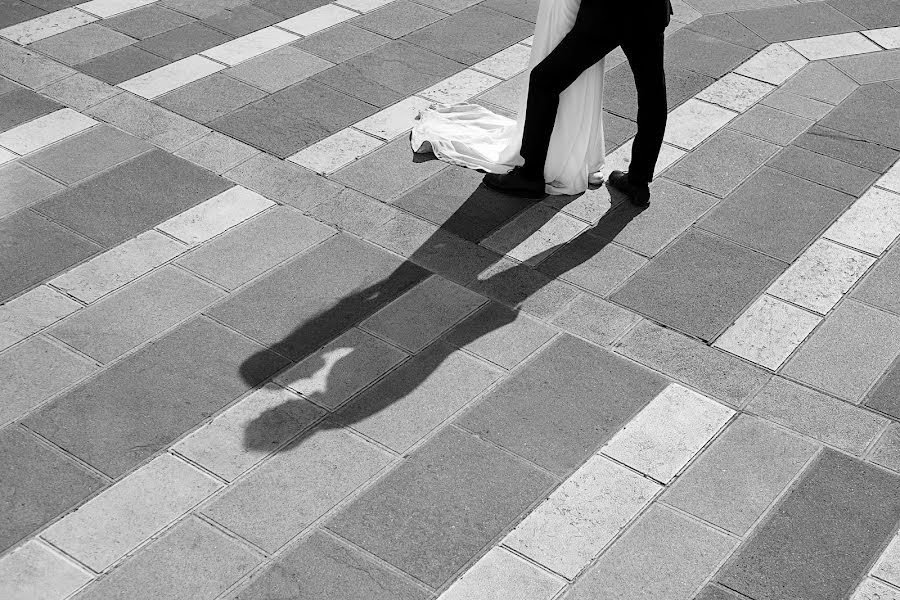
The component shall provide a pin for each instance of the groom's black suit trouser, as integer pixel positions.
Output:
(592, 37)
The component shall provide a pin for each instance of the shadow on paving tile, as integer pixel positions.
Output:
(509, 282)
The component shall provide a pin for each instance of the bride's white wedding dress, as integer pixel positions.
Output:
(472, 136)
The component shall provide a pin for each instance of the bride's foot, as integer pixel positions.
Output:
(596, 178)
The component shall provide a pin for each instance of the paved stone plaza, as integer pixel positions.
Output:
(252, 348)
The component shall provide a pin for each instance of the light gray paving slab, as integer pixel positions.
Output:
(501, 575)
(398, 18)
(279, 68)
(820, 80)
(771, 124)
(354, 212)
(797, 105)
(593, 264)
(341, 42)
(210, 98)
(147, 21)
(217, 152)
(824, 170)
(35, 571)
(880, 285)
(596, 320)
(871, 68)
(887, 451)
(523, 288)
(82, 43)
(148, 121)
(30, 68)
(283, 181)
(21, 186)
(80, 91)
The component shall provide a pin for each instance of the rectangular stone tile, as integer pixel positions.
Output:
(817, 415)
(824, 170)
(45, 130)
(276, 70)
(850, 149)
(283, 181)
(398, 118)
(31, 312)
(15, 12)
(887, 37)
(884, 396)
(35, 571)
(699, 284)
(125, 515)
(661, 439)
(46, 26)
(317, 19)
(330, 570)
(776, 213)
(29, 68)
(821, 81)
(871, 224)
(140, 311)
(507, 95)
(888, 566)
(821, 276)
(341, 368)
(834, 46)
(796, 22)
(595, 320)
(694, 121)
(144, 395)
(879, 286)
(891, 179)
(242, 19)
(460, 87)
(147, 21)
(502, 575)
(887, 451)
(711, 56)
(249, 45)
(148, 121)
(872, 589)
(500, 335)
(506, 63)
(683, 554)
(208, 98)
(217, 153)
(184, 41)
(341, 42)
(714, 592)
(534, 233)
(22, 186)
(297, 486)
(797, 105)
(874, 13)
(398, 18)
(202, 9)
(770, 124)
(170, 77)
(215, 216)
(582, 516)
(735, 92)
(337, 150)
(848, 353)
(118, 266)
(132, 197)
(871, 112)
(109, 8)
(842, 513)
(775, 64)
(416, 398)
(249, 431)
(193, 560)
(738, 477)
(35, 249)
(722, 163)
(22, 105)
(560, 410)
(86, 154)
(354, 212)
(437, 510)
(45, 483)
(311, 299)
(82, 44)
(593, 264)
(727, 28)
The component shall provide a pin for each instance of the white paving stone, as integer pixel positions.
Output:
(871, 224)
(506, 63)
(340, 149)
(889, 37)
(7, 155)
(43, 131)
(736, 92)
(220, 445)
(172, 76)
(891, 179)
(888, 566)
(47, 25)
(29, 313)
(694, 121)
(122, 517)
(872, 589)
(251, 45)
(35, 572)
(317, 19)
(118, 266)
(821, 276)
(773, 64)
(398, 118)
(108, 8)
(582, 516)
(216, 215)
(768, 332)
(501, 575)
(620, 158)
(668, 432)
(363, 6)
(460, 87)
(528, 41)
(532, 235)
(834, 46)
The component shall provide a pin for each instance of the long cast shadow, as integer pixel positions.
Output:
(518, 281)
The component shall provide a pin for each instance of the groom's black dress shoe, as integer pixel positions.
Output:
(515, 183)
(638, 194)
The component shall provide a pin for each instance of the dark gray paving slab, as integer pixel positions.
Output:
(86, 154)
(715, 592)
(341, 42)
(398, 18)
(722, 162)
(712, 56)
(201, 9)
(880, 287)
(872, 113)
(872, 14)
(121, 65)
(699, 284)
(39, 485)
(593, 264)
(797, 105)
(523, 288)
(52, 5)
(570, 400)
(871, 68)
(507, 95)
(523, 9)
(435, 512)
(289, 8)
(820, 541)
(617, 130)
(389, 73)
(8, 85)
(715, 373)
(313, 298)
(472, 34)
(34, 249)
(885, 396)
(820, 80)
(293, 118)
(887, 452)
(132, 197)
(851, 149)
(797, 21)
(824, 170)
(277, 69)
(210, 98)
(457, 200)
(21, 105)
(192, 561)
(449, 6)
(241, 20)
(771, 124)
(21, 186)
(141, 399)
(147, 21)
(324, 568)
(283, 181)
(776, 213)
(183, 41)
(13, 12)
(83, 43)
(726, 28)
